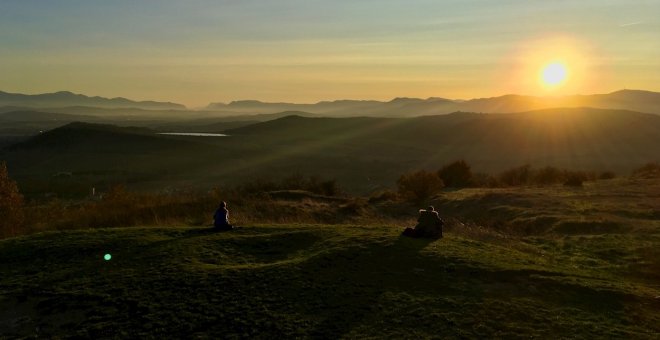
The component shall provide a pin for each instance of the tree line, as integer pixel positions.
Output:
(423, 184)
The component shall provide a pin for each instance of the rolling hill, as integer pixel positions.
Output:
(362, 153)
(573, 138)
(96, 153)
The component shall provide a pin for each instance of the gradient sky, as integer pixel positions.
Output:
(200, 51)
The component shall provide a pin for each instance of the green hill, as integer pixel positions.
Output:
(286, 281)
(96, 154)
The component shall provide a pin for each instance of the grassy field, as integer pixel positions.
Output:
(267, 281)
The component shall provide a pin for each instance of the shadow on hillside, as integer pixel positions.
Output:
(343, 288)
(349, 289)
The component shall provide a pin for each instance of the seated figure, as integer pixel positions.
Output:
(429, 225)
(221, 218)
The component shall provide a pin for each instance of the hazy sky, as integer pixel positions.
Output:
(200, 51)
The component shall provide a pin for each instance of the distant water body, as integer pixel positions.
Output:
(196, 134)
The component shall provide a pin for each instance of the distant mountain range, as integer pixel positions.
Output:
(66, 99)
(78, 104)
(635, 100)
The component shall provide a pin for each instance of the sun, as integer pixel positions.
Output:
(554, 74)
(551, 65)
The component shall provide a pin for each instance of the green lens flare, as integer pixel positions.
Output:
(107, 257)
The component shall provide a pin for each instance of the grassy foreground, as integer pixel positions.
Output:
(326, 282)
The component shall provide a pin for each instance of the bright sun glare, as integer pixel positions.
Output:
(554, 74)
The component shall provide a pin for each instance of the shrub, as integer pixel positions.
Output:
(575, 178)
(419, 186)
(548, 175)
(516, 176)
(11, 204)
(606, 175)
(483, 180)
(456, 175)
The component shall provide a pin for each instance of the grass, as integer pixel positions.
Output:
(615, 206)
(350, 281)
(552, 262)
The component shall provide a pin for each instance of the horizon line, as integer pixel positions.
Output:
(192, 107)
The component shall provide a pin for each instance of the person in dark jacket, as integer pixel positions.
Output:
(221, 218)
(429, 225)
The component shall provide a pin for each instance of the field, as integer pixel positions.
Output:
(586, 268)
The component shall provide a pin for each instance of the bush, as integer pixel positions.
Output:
(575, 178)
(606, 175)
(483, 180)
(419, 186)
(11, 204)
(516, 176)
(548, 175)
(456, 175)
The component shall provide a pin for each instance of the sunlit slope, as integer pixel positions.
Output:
(322, 281)
(575, 138)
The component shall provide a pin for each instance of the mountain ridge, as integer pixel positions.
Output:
(67, 98)
(626, 99)
(68, 102)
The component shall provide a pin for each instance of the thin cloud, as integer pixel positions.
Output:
(631, 24)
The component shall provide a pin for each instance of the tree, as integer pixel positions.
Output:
(11, 204)
(456, 175)
(419, 185)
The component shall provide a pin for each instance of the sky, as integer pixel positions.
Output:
(199, 51)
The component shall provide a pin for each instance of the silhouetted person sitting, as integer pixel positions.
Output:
(221, 218)
(429, 225)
